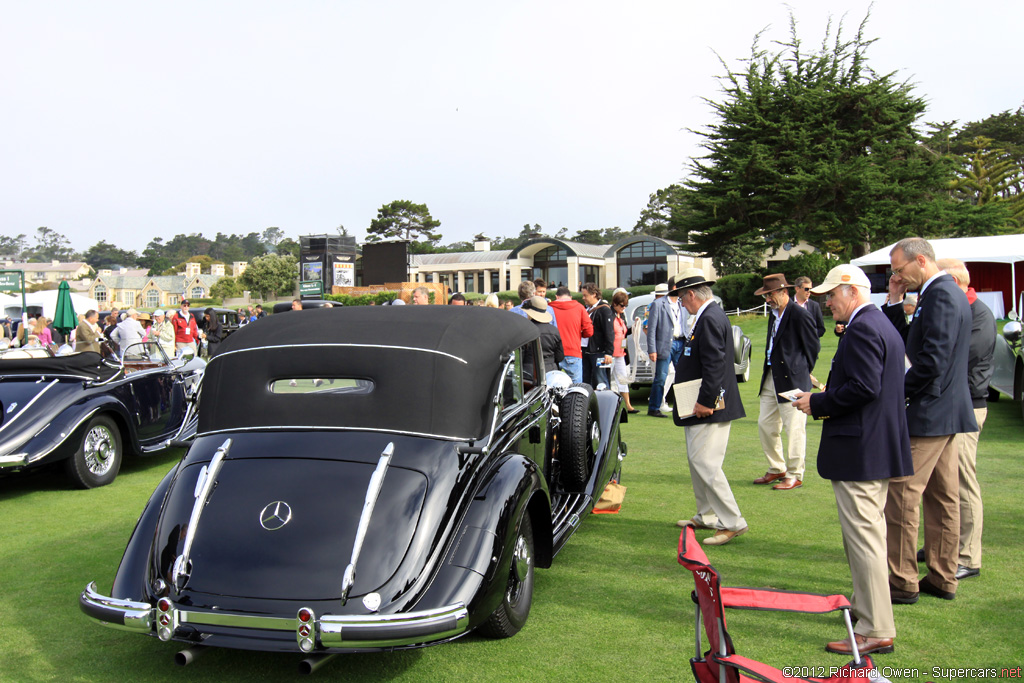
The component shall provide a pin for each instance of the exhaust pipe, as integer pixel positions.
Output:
(187, 656)
(314, 662)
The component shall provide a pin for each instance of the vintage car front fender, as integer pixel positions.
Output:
(606, 458)
(51, 436)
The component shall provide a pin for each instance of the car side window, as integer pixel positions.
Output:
(533, 365)
(511, 387)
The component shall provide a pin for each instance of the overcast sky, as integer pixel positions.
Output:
(124, 121)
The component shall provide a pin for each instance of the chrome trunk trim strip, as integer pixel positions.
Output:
(372, 491)
(182, 565)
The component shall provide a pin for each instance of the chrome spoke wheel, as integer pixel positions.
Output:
(98, 458)
(99, 449)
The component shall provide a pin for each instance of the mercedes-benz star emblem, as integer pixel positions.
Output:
(275, 515)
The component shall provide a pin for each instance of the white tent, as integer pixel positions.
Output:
(47, 300)
(993, 249)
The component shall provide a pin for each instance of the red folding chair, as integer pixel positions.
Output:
(721, 664)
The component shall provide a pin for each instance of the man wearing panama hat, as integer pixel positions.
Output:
(536, 309)
(791, 350)
(707, 356)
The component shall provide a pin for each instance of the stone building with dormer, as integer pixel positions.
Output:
(154, 291)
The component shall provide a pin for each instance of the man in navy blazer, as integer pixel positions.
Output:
(791, 350)
(864, 443)
(939, 407)
(707, 356)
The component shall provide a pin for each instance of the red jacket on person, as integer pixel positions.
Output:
(185, 331)
(573, 324)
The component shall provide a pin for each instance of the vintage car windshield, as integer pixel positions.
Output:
(145, 352)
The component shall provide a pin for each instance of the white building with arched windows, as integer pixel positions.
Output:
(632, 261)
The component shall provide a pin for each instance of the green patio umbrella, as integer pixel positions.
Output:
(64, 318)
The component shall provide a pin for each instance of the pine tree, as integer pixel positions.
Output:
(814, 146)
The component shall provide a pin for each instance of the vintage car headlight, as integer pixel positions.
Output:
(557, 379)
(1011, 331)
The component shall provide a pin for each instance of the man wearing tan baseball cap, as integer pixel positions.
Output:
(864, 443)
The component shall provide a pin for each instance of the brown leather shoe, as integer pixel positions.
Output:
(788, 483)
(723, 536)
(683, 523)
(930, 588)
(769, 477)
(865, 645)
(902, 597)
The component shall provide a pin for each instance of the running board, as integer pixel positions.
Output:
(566, 520)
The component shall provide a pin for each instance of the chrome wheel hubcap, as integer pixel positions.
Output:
(521, 562)
(99, 450)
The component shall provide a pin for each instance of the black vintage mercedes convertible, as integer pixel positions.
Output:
(363, 479)
(87, 411)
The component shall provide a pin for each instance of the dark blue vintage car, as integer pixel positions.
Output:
(88, 411)
(362, 479)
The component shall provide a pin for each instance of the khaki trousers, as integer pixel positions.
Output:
(935, 481)
(971, 511)
(773, 418)
(861, 505)
(705, 452)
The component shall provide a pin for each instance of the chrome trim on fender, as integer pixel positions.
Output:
(28, 405)
(21, 459)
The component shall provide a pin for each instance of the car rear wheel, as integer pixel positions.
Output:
(515, 603)
(98, 458)
(578, 437)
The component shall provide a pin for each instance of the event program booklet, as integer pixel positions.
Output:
(685, 394)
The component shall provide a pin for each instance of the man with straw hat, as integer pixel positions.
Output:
(791, 350)
(536, 309)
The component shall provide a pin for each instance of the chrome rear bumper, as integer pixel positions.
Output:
(16, 460)
(325, 632)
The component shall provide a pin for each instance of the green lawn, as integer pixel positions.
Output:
(615, 605)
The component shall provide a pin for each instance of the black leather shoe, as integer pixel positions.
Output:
(932, 589)
(898, 597)
(963, 572)
(656, 413)
(920, 555)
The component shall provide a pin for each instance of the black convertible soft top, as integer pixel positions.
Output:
(87, 365)
(434, 370)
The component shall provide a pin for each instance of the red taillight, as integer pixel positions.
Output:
(164, 605)
(305, 615)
